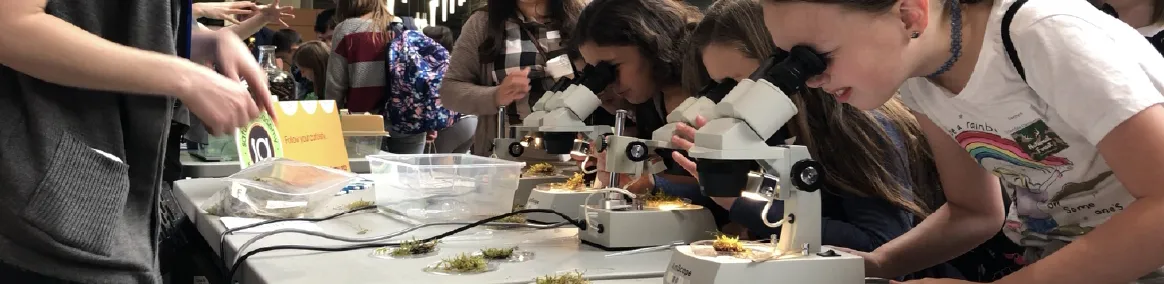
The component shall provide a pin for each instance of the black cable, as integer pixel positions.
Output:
(581, 224)
(222, 237)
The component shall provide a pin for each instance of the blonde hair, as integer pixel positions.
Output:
(376, 10)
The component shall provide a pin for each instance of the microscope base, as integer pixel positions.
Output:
(565, 202)
(842, 268)
(526, 185)
(630, 229)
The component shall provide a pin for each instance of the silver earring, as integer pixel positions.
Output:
(914, 35)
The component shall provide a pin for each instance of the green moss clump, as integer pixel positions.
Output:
(498, 253)
(463, 263)
(515, 218)
(564, 278)
(359, 204)
(413, 247)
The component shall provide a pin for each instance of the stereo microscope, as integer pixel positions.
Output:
(511, 148)
(688, 111)
(727, 148)
(530, 147)
(615, 224)
(560, 125)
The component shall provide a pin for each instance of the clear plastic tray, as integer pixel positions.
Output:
(278, 188)
(444, 187)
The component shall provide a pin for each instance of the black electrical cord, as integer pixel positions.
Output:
(222, 237)
(581, 224)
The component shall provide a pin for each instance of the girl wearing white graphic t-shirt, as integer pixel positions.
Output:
(1075, 137)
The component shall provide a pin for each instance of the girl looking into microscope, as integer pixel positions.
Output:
(1059, 100)
(643, 39)
(868, 199)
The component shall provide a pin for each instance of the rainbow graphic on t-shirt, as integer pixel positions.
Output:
(982, 145)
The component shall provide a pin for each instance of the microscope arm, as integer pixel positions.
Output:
(749, 115)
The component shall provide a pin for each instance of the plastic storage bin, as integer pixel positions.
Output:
(444, 187)
(278, 188)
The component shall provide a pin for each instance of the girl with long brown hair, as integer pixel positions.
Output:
(311, 59)
(643, 39)
(1056, 98)
(872, 194)
(873, 159)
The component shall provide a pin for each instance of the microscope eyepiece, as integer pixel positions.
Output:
(801, 64)
(599, 76)
(716, 91)
(562, 84)
(707, 88)
(790, 70)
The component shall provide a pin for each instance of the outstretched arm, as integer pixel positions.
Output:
(48, 48)
(972, 214)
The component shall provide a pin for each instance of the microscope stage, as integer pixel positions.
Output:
(526, 185)
(817, 268)
(648, 227)
(563, 201)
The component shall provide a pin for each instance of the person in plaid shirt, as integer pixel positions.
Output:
(485, 72)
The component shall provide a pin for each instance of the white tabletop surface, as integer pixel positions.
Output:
(556, 250)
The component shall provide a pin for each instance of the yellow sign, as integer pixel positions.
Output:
(308, 131)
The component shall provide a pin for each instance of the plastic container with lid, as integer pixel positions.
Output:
(444, 187)
(363, 145)
(278, 188)
(363, 134)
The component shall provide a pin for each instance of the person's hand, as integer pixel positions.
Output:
(599, 158)
(873, 262)
(432, 135)
(274, 13)
(223, 10)
(220, 103)
(683, 140)
(513, 88)
(220, 100)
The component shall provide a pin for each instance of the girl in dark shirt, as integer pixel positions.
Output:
(644, 40)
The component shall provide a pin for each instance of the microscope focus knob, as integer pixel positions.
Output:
(807, 175)
(603, 142)
(515, 149)
(636, 151)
